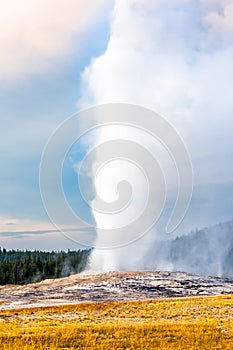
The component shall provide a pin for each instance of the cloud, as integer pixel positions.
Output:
(219, 23)
(37, 34)
(22, 225)
(32, 234)
(23, 234)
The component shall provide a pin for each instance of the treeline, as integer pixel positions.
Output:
(21, 267)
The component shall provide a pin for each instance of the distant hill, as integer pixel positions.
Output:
(206, 251)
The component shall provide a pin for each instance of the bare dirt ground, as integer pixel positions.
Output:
(112, 286)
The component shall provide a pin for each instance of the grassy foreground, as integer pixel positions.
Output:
(191, 323)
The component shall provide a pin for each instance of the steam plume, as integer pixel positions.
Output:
(174, 58)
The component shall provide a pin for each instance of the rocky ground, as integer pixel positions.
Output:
(112, 286)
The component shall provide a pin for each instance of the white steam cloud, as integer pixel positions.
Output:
(176, 59)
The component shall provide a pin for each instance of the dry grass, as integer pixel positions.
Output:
(192, 323)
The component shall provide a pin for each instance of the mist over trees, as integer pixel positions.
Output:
(20, 267)
(208, 251)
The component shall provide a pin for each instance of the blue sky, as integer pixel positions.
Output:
(172, 58)
(32, 105)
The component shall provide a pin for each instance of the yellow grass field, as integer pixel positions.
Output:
(191, 323)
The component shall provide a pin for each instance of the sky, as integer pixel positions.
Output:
(59, 58)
